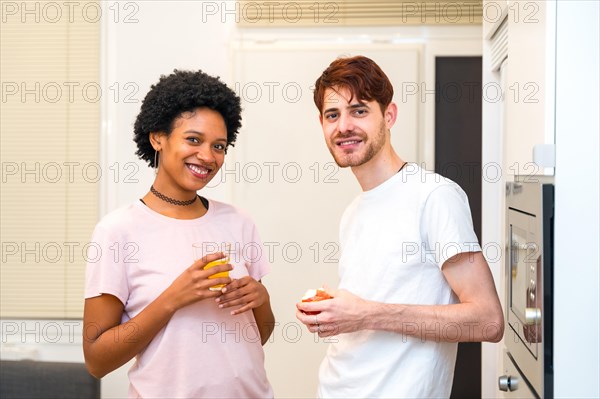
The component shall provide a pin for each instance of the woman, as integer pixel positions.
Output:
(146, 295)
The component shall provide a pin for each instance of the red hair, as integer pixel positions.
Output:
(360, 75)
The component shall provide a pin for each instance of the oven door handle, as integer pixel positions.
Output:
(533, 316)
(508, 383)
(522, 244)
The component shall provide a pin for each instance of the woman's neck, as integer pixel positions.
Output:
(192, 211)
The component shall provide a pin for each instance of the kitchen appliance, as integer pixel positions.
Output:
(528, 365)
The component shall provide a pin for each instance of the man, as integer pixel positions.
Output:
(413, 280)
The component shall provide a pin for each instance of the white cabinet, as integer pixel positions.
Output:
(529, 89)
(530, 84)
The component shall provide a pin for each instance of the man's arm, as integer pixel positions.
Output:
(478, 316)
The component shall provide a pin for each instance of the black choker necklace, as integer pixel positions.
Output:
(171, 200)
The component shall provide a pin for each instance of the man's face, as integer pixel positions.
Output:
(355, 131)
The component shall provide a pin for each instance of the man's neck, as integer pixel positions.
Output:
(379, 169)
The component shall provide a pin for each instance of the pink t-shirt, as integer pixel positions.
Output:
(203, 351)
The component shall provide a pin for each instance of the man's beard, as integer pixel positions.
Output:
(373, 146)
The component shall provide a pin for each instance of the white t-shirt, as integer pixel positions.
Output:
(203, 351)
(394, 240)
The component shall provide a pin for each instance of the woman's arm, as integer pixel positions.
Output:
(250, 294)
(108, 344)
(265, 320)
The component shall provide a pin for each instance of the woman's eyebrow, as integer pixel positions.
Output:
(194, 131)
(221, 139)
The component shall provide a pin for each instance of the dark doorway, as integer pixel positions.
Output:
(458, 157)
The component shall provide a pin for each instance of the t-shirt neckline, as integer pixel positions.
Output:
(375, 191)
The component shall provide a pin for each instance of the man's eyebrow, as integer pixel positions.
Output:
(358, 105)
(352, 106)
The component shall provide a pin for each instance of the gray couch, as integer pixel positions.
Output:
(32, 380)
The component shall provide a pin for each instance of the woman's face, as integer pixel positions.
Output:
(194, 151)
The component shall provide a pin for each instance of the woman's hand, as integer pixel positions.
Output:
(193, 284)
(246, 291)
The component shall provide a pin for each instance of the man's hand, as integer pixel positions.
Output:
(245, 292)
(344, 313)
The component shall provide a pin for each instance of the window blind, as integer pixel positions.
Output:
(50, 110)
(264, 14)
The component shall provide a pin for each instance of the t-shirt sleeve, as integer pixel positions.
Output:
(105, 273)
(446, 224)
(256, 256)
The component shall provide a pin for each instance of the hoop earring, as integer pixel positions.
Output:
(155, 162)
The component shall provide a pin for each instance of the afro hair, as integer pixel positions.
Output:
(179, 92)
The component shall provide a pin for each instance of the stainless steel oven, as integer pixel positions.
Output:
(528, 365)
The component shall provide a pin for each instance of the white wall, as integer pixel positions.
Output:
(576, 276)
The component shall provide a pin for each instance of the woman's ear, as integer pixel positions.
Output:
(155, 140)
